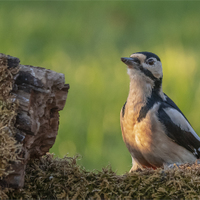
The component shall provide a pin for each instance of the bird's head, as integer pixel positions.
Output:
(146, 65)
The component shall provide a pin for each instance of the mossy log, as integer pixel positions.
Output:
(39, 94)
(55, 178)
(30, 98)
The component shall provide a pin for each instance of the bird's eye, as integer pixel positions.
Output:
(150, 61)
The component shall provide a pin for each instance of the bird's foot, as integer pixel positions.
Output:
(172, 166)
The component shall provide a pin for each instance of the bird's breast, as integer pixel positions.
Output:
(141, 137)
(149, 144)
(129, 124)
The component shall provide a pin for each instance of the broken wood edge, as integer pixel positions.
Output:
(28, 90)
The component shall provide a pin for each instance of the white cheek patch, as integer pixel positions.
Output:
(178, 119)
(155, 69)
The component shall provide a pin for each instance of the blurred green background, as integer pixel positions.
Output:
(85, 40)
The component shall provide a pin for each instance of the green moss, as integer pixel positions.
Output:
(9, 149)
(55, 178)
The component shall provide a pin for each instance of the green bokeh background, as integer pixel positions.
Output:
(85, 40)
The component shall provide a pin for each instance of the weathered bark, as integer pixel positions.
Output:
(41, 93)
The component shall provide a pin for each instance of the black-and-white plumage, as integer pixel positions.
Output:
(154, 129)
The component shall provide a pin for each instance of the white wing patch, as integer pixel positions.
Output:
(178, 119)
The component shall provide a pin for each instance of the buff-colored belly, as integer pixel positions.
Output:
(149, 144)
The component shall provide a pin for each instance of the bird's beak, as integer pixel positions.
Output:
(130, 62)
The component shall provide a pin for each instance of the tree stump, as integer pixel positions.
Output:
(41, 94)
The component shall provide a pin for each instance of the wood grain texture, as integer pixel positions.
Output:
(41, 94)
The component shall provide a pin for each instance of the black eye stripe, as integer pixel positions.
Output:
(148, 73)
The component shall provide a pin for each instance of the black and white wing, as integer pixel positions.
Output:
(177, 126)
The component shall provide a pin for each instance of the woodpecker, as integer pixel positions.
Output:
(155, 131)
